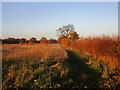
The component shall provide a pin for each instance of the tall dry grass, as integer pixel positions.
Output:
(37, 51)
(28, 66)
(104, 48)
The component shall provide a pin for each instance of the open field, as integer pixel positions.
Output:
(51, 66)
(60, 45)
(36, 51)
(25, 65)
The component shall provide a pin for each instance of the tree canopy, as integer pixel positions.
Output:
(43, 40)
(65, 31)
(32, 40)
(74, 36)
(22, 40)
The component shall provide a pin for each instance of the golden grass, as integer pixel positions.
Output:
(104, 48)
(24, 64)
(43, 66)
(35, 51)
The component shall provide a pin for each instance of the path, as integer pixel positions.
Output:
(80, 74)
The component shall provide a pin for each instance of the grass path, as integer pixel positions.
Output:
(80, 74)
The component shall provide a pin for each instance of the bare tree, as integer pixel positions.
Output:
(65, 31)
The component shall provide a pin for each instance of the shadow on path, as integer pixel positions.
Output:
(80, 74)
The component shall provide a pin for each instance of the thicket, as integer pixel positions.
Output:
(32, 40)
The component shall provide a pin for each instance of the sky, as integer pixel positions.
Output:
(42, 19)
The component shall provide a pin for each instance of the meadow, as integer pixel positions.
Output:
(86, 63)
(26, 65)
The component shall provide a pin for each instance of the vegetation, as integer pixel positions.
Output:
(43, 40)
(32, 40)
(52, 40)
(92, 73)
(64, 32)
(22, 41)
(66, 35)
(32, 66)
(74, 36)
(10, 40)
(104, 48)
(35, 66)
(104, 55)
(74, 62)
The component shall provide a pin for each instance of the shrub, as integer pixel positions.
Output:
(52, 40)
(32, 40)
(43, 40)
(103, 48)
(22, 41)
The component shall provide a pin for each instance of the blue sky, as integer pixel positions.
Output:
(42, 19)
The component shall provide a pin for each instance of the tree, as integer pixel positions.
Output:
(32, 40)
(22, 41)
(9, 40)
(74, 36)
(52, 40)
(66, 42)
(17, 40)
(65, 31)
(43, 40)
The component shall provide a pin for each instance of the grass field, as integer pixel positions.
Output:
(51, 66)
(26, 65)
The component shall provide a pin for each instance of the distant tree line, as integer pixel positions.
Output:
(66, 35)
(32, 40)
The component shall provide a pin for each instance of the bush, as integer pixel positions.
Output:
(103, 48)
(43, 40)
(32, 40)
(22, 41)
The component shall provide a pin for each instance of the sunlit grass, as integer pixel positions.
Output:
(26, 66)
(92, 63)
